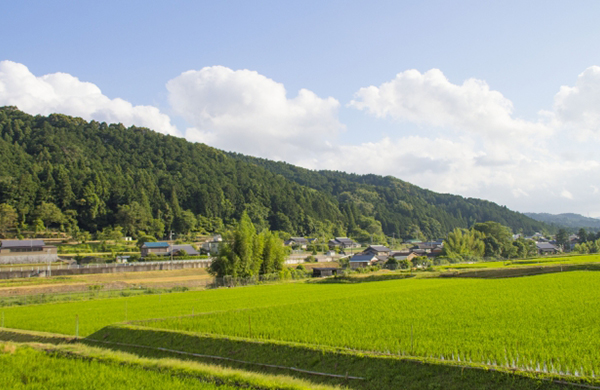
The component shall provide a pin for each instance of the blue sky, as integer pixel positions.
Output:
(462, 97)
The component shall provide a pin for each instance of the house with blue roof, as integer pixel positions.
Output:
(165, 249)
(158, 248)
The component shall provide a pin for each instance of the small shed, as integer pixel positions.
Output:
(325, 271)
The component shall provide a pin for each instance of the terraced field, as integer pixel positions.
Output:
(545, 323)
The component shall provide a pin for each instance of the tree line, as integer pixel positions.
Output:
(486, 239)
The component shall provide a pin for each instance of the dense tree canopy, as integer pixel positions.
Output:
(246, 253)
(66, 173)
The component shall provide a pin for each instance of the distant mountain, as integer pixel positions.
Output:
(70, 173)
(567, 220)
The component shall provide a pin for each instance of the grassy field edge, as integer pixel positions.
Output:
(378, 370)
(174, 367)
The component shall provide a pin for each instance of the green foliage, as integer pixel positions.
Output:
(99, 175)
(246, 253)
(111, 234)
(144, 238)
(498, 238)
(588, 247)
(8, 217)
(399, 207)
(28, 368)
(562, 238)
(461, 243)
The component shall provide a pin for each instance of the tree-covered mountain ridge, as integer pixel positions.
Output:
(567, 220)
(75, 174)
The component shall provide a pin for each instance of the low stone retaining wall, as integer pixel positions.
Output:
(28, 259)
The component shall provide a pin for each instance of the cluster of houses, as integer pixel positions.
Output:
(338, 242)
(546, 246)
(379, 254)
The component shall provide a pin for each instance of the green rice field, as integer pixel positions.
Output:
(27, 368)
(546, 323)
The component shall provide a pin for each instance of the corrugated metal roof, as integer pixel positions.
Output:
(22, 243)
(156, 244)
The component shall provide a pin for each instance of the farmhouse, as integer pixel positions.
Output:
(377, 250)
(189, 250)
(404, 255)
(545, 248)
(342, 243)
(297, 242)
(157, 248)
(358, 261)
(27, 251)
(165, 249)
(324, 271)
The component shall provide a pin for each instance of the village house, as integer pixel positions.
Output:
(27, 251)
(403, 255)
(300, 242)
(377, 250)
(165, 249)
(213, 245)
(361, 261)
(157, 248)
(545, 248)
(342, 243)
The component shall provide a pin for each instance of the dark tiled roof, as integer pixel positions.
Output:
(22, 243)
(379, 248)
(545, 246)
(188, 248)
(362, 258)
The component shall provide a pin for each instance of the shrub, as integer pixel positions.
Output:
(310, 259)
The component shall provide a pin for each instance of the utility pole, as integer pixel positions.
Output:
(171, 246)
(49, 267)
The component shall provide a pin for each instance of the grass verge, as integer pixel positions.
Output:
(33, 365)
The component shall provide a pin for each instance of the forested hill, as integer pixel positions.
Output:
(66, 172)
(401, 207)
(567, 220)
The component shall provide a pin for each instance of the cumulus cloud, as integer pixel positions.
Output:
(66, 94)
(247, 112)
(577, 108)
(431, 99)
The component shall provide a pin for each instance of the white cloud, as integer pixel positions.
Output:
(430, 99)
(468, 140)
(66, 94)
(247, 112)
(577, 108)
(566, 194)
